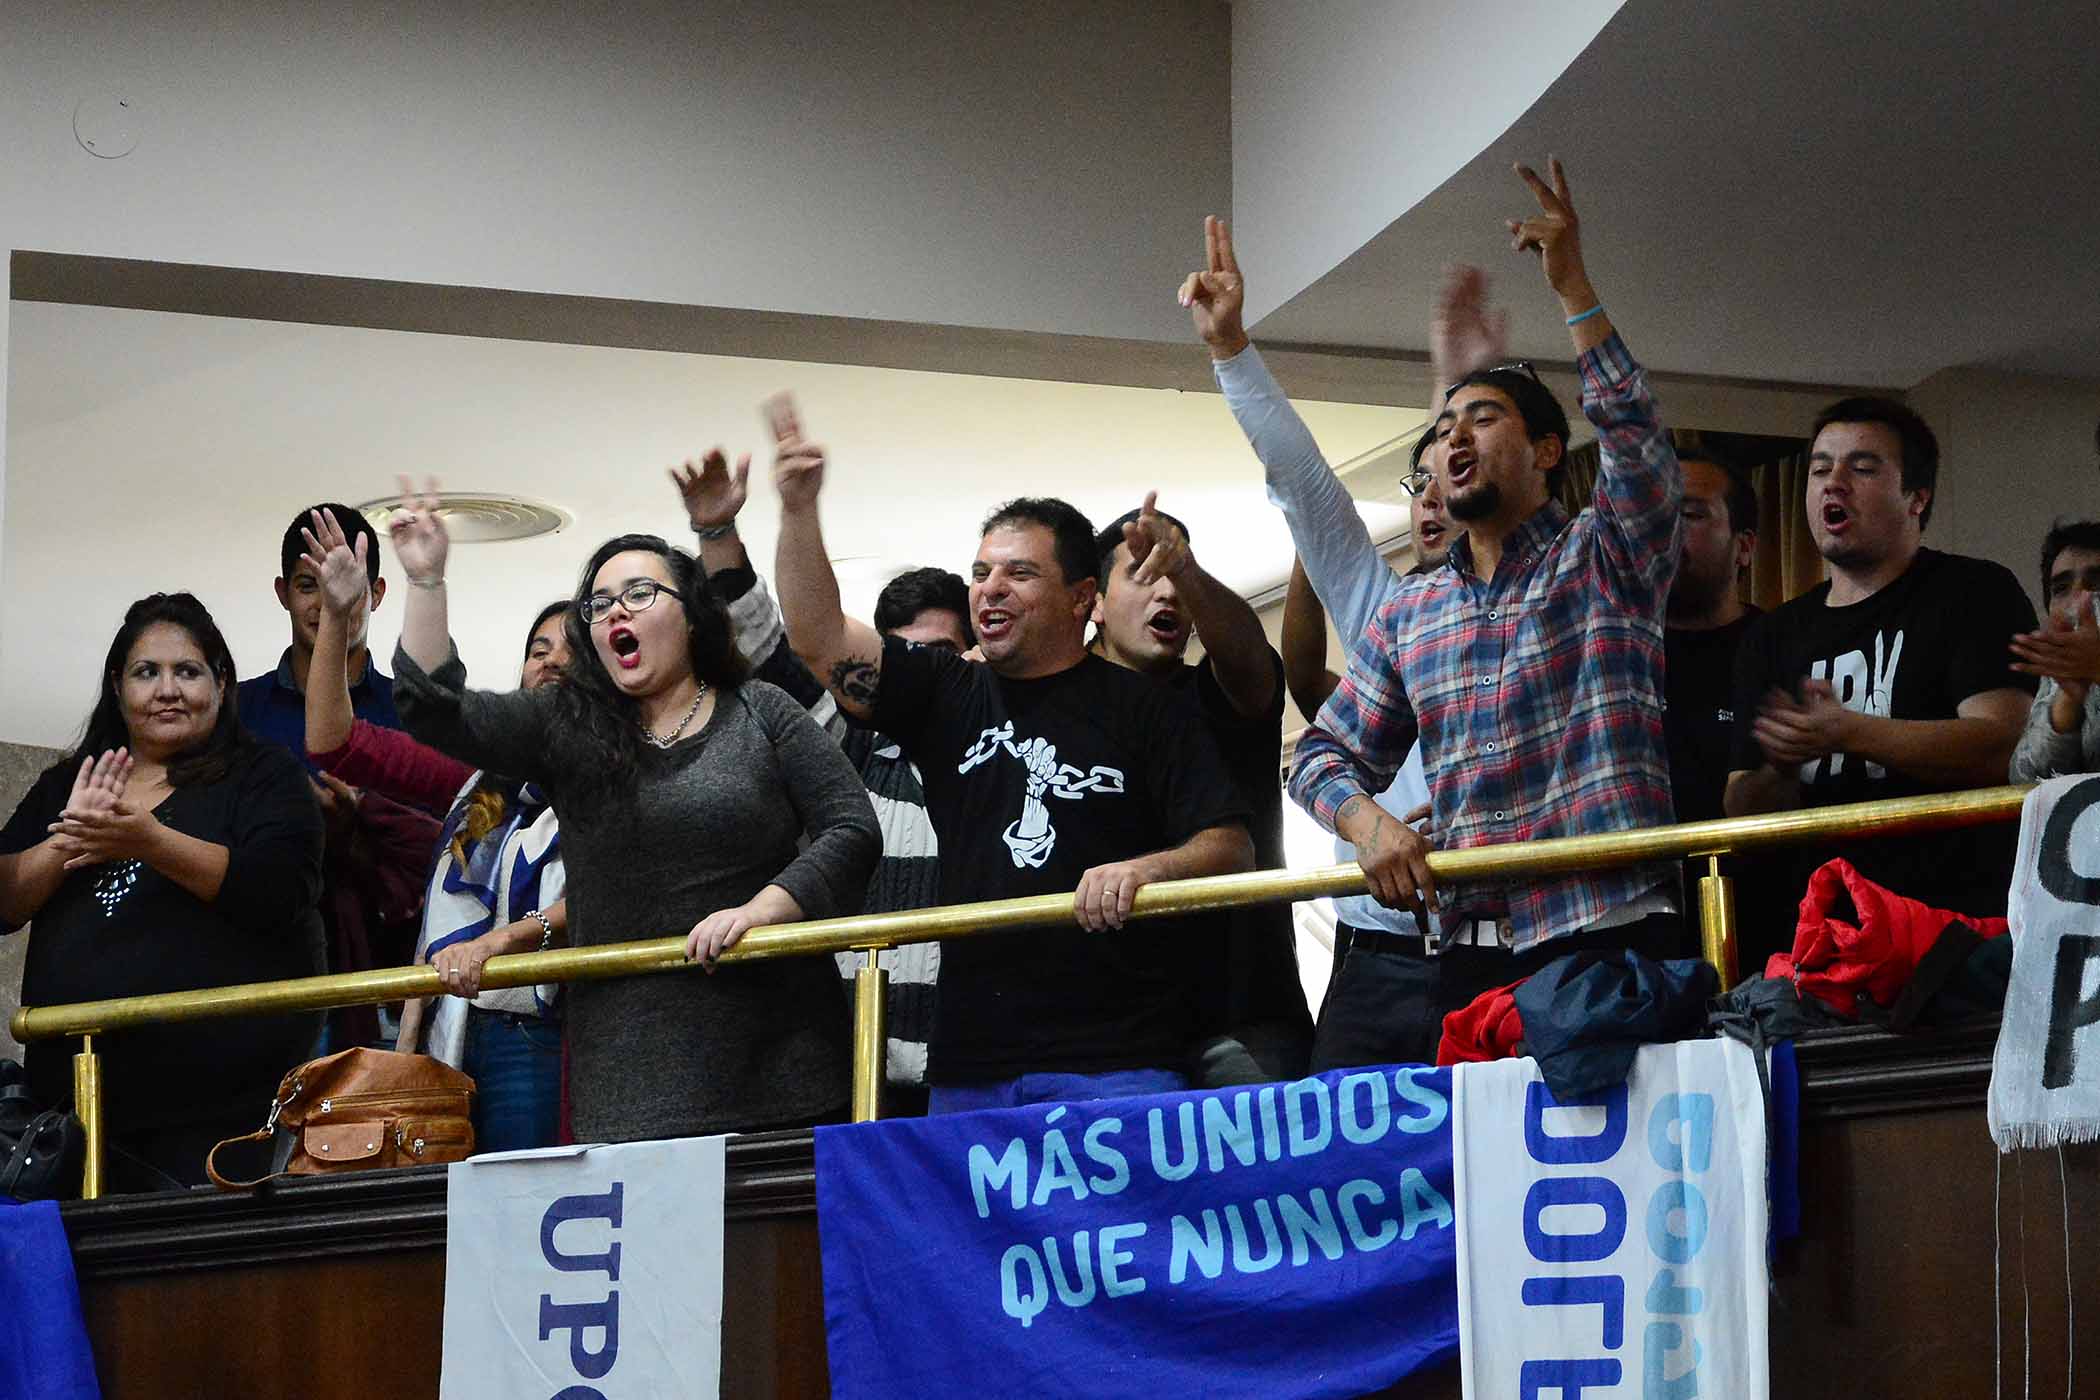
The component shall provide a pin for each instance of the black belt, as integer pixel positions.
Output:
(1383, 942)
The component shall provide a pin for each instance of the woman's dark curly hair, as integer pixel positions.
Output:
(608, 720)
(210, 760)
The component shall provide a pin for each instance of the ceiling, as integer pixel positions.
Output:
(1843, 192)
(222, 428)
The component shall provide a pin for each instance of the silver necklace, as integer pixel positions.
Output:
(671, 738)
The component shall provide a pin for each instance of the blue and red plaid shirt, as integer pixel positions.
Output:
(1538, 694)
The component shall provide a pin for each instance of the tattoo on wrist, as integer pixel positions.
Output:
(856, 678)
(1349, 809)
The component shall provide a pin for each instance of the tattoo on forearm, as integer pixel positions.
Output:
(1349, 809)
(856, 679)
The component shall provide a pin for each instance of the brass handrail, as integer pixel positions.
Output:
(870, 932)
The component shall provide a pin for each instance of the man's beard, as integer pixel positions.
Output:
(1695, 595)
(1478, 503)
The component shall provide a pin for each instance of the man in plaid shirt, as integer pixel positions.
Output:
(1530, 666)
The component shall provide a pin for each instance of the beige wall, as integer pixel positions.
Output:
(20, 764)
(2016, 452)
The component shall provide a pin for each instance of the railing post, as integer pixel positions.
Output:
(87, 1107)
(870, 1038)
(1717, 921)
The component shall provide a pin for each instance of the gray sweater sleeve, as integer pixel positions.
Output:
(507, 732)
(2044, 753)
(830, 875)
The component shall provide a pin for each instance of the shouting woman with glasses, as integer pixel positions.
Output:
(683, 790)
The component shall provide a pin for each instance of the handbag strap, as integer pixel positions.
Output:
(211, 1161)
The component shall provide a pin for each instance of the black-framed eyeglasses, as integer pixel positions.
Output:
(1523, 367)
(637, 596)
(1415, 482)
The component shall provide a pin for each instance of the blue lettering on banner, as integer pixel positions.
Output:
(1576, 1214)
(1130, 1241)
(582, 1319)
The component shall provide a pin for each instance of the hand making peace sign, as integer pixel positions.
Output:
(1216, 296)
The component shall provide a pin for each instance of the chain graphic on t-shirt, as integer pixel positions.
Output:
(1031, 837)
(1862, 688)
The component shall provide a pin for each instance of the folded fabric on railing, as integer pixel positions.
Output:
(2045, 1076)
(1489, 1027)
(1859, 946)
(1585, 1015)
(43, 1339)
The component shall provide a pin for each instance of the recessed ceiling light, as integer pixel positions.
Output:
(481, 517)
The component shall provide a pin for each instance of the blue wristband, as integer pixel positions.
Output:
(1597, 310)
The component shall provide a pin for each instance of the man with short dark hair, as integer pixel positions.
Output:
(2063, 725)
(273, 705)
(1046, 768)
(1530, 664)
(929, 606)
(1704, 623)
(1891, 679)
(1253, 1023)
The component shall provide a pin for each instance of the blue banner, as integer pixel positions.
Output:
(1283, 1239)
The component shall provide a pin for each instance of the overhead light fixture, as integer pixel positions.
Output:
(480, 517)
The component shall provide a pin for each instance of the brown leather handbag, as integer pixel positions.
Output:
(362, 1108)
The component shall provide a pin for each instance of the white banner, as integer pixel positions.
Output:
(1614, 1246)
(581, 1273)
(2044, 1091)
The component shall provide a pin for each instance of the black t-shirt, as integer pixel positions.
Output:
(1699, 713)
(1030, 784)
(124, 929)
(1256, 981)
(1913, 651)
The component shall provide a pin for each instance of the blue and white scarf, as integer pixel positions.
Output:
(514, 869)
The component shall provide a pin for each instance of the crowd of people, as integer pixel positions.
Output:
(681, 752)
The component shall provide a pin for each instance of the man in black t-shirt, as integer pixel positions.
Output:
(1045, 768)
(1892, 679)
(1704, 622)
(1253, 1024)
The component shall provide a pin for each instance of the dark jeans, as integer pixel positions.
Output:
(516, 1064)
(1387, 1007)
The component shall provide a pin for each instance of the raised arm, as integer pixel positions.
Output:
(844, 653)
(1239, 652)
(1304, 648)
(343, 572)
(1328, 533)
(1640, 486)
(422, 545)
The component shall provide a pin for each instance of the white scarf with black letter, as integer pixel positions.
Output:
(2045, 1077)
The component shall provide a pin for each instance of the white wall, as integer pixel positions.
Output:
(2016, 452)
(1041, 166)
(1342, 118)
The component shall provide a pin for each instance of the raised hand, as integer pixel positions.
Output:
(1158, 547)
(1554, 232)
(1465, 336)
(341, 569)
(421, 542)
(798, 466)
(1216, 297)
(713, 494)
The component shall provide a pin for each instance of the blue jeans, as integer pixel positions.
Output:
(1053, 1088)
(516, 1064)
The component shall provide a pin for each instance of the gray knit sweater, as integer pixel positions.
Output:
(699, 827)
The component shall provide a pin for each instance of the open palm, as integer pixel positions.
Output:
(421, 542)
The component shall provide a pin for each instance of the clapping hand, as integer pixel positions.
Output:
(2070, 656)
(1217, 297)
(96, 788)
(1158, 547)
(1793, 732)
(713, 494)
(798, 466)
(421, 542)
(343, 571)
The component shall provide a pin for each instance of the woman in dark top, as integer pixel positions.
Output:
(168, 851)
(682, 789)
